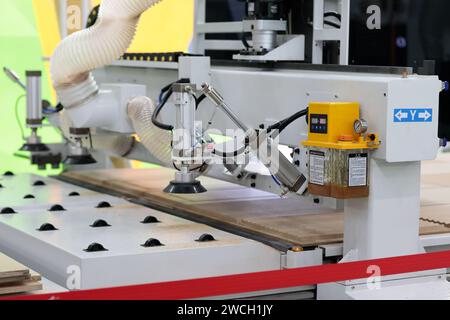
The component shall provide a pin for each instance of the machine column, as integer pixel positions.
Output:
(386, 224)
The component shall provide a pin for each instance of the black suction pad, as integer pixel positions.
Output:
(38, 147)
(80, 160)
(185, 188)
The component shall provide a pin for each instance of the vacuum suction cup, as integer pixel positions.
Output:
(185, 187)
(34, 147)
(80, 160)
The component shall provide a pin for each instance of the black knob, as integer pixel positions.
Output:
(150, 219)
(100, 224)
(95, 247)
(29, 196)
(56, 207)
(39, 183)
(206, 238)
(47, 227)
(8, 211)
(74, 194)
(8, 174)
(103, 205)
(150, 243)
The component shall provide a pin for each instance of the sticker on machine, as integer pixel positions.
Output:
(317, 167)
(357, 166)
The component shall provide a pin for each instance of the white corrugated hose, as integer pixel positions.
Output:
(89, 49)
(157, 141)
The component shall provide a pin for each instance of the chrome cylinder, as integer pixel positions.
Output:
(34, 98)
(185, 130)
(264, 40)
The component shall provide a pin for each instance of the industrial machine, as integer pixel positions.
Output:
(358, 135)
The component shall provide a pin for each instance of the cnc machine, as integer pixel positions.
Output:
(263, 155)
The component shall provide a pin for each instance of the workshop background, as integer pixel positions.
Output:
(29, 32)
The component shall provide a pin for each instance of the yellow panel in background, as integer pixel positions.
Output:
(166, 27)
(47, 23)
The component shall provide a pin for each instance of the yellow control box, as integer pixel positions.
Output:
(338, 150)
(332, 126)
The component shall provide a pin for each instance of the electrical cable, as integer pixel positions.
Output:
(245, 41)
(332, 24)
(230, 154)
(333, 14)
(16, 110)
(165, 95)
(190, 170)
(158, 110)
(199, 100)
(276, 181)
(283, 124)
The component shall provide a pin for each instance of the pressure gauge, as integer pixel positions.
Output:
(361, 126)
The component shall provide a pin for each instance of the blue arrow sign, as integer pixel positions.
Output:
(413, 115)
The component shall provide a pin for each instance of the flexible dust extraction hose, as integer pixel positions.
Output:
(157, 141)
(89, 49)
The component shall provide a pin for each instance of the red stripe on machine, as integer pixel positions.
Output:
(261, 281)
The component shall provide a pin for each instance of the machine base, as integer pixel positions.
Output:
(61, 256)
(422, 288)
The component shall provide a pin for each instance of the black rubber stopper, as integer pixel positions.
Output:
(185, 188)
(150, 243)
(74, 194)
(39, 183)
(56, 207)
(150, 219)
(8, 211)
(100, 224)
(47, 227)
(103, 205)
(8, 174)
(80, 160)
(38, 147)
(1, 186)
(206, 238)
(29, 196)
(95, 247)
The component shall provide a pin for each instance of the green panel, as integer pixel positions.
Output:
(20, 50)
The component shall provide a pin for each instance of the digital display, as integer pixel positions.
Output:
(319, 123)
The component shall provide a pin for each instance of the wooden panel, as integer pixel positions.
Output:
(16, 278)
(440, 214)
(293, 220)
(308, 230)
(12, 269)
(435, 196)
(21, 287)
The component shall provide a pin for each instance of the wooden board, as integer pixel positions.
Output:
(16, 278)
(314, 230)
(12, 269)
(21, 287)
(292, 220)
